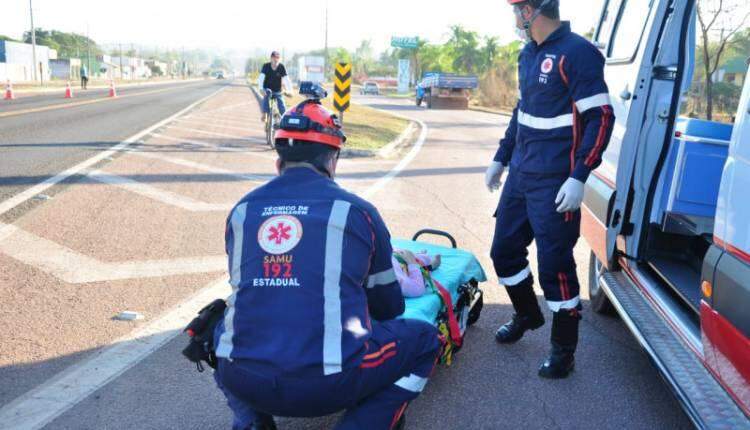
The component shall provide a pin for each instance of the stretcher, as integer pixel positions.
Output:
(456, 301)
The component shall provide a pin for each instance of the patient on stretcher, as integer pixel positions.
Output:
(411, 269)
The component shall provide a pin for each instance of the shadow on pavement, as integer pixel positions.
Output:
(489, 386)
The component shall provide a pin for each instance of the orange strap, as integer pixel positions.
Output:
(453, 327)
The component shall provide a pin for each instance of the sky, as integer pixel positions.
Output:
(288, 26)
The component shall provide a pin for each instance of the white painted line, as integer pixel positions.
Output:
(241, 129)
(377, 186)
(213, 133)
(216, 146)
(158, 194)
(75, 268)
(27, 194)
(201, 166)
(41, 405)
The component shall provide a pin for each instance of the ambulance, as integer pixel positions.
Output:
(667, 214)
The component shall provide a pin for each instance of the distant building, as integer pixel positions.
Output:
(66, 69)
(17, 61)
(733, 71)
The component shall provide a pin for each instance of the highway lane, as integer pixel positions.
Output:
(489, 386)
(37, 145)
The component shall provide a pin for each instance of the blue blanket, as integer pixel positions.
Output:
(457, 267)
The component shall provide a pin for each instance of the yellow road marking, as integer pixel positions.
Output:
(84, 102)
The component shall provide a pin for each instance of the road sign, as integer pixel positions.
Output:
(404, 42)
(404, 74)
(342, 87)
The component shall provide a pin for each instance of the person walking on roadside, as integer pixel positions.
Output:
(84, 77)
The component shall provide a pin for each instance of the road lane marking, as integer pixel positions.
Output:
(216, 146)
(154, 193)
(85, 102)
(27, 194)
(201, 166)
(213, 133)
(75, 268)
(41, 405)
(242, 129)
(377, 186)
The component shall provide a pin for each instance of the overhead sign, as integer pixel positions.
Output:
(404, 42)
(342, 87)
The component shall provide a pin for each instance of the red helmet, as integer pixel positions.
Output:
(311, 122)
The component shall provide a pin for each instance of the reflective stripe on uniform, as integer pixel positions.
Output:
(517, 278)
(538, 123)
(382, 278)
(235, 277)
(332, 328)
(567, 304)
(413, 383)
(597, 100)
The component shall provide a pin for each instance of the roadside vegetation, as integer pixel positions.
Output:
(723, 47)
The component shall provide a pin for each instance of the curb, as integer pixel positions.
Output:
(490, 110)
(53, 90)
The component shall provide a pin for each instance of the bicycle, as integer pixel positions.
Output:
(272, 118)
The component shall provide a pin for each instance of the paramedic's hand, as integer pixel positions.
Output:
(570, 196)
(493, 175)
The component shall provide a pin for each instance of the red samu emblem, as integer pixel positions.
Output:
(279, 234)
(547, 65)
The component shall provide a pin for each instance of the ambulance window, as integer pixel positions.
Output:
(607, 24)
(627, 36)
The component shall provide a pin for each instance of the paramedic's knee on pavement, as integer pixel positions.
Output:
(559, 130)
(310, 327)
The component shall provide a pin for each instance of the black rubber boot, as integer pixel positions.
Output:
(528, 316)
(564, 341)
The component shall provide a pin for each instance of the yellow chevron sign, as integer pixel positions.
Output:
(342, 87)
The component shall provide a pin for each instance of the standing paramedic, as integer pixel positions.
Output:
(559, 130)
(272, 76)
(310, 328)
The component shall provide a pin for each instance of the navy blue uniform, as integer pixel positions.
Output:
(559, 129)
(309, 328)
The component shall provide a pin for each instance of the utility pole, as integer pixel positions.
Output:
(88, 49)
(121, 75)
(33, 44)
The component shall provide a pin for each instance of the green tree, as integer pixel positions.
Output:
(465, 45)
(10, 39)
(67, 45)
(489, 51)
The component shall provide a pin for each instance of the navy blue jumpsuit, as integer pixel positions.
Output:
(559, 129)
(310, 327)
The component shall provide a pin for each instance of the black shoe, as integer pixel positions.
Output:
(514, 329)
(528, 316)
(564, 341)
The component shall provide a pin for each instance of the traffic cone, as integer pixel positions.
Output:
(9, 91)
(68, 91)
(112, 90)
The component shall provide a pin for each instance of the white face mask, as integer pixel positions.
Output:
(523, 35)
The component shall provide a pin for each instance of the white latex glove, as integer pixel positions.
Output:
(493, 175)
(570, 196)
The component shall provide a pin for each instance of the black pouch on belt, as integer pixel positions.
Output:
(201, 332)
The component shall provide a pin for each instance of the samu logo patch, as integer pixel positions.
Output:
(280, 234)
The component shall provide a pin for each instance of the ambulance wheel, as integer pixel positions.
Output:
(476, 311)
(599, 301)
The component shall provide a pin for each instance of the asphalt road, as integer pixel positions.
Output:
(41, 143)
(181, 180)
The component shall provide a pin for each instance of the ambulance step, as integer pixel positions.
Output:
(705, 401)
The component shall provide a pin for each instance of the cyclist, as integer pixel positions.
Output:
(270, 80)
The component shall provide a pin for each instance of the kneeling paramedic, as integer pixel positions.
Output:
(556, 137)
(310, 328)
